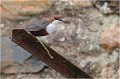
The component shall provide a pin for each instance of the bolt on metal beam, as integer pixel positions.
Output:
(58, 62)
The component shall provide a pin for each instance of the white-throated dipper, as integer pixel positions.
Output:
(42, 26)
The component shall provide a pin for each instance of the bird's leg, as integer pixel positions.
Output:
(38, 40)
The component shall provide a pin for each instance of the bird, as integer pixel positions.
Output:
(42, 26)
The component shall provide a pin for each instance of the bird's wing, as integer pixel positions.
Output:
(35, 24)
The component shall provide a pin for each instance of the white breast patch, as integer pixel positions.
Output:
(52, 26)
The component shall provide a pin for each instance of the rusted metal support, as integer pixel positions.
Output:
(58, 63)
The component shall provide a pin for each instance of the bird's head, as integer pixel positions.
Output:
(55, 17)
(59, 17)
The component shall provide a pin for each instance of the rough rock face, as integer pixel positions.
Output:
(110, 38)
(77, 41)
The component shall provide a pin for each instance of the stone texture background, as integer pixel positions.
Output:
(79, 41)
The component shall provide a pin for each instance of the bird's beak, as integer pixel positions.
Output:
(64, 21)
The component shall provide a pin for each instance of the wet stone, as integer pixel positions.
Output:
(14, 59)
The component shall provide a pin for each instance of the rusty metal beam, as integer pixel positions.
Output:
(58, 63)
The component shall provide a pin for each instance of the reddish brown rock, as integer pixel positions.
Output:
(12, 8)
(109, 39)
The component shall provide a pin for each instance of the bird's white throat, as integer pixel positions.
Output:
(52, 26)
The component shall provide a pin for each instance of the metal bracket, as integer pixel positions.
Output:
(58, 63)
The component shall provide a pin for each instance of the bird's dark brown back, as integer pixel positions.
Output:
(35, 24)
